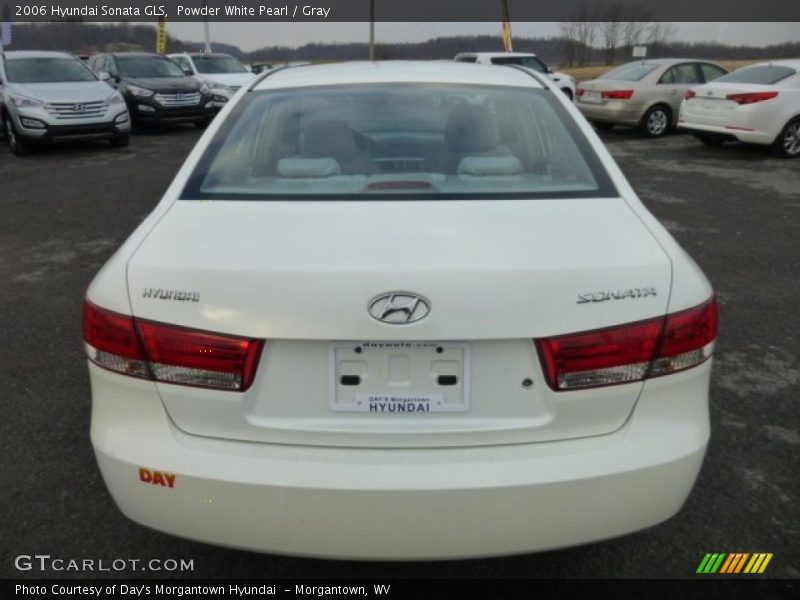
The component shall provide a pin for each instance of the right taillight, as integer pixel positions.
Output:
(751, 97)
(633, 352)
(689, 94)
(169, 353)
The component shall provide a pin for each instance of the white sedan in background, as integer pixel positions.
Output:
(758, 104)
(401, 310)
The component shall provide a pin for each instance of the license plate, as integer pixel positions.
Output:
(589, 96)
(399, 378)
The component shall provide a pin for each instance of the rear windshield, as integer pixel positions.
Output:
(213, 65)
(398, 141)
(529, 62)
(630, 72)
(764, 74)
(148, 66)
(47, 70)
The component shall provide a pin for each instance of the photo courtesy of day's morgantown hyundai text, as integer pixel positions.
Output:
(400, 310)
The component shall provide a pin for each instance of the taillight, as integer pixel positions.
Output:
(579, 92)
(617, 94)
(690, 94)
(169, 353)
(751, 97)
(632, 352)
(111, 341)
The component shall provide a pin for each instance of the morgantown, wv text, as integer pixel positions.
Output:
(239, 591)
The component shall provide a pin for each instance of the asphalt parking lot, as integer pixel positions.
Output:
(735, 209)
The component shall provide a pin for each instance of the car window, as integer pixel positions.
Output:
(635, 71)
(711, 72)
(683, 74)
(529, 62)
(148, 66)
(399, 140)
(183, 62)
(761, 74)
(467, 59)
(47, 70)
(216, 64)
(110, 66)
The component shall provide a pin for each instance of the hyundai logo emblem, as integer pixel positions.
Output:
(399, 308)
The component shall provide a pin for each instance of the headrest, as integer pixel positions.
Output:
(470, 129)
(329, 139)
(484, 166)
(295, 168)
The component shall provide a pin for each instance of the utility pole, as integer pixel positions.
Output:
(207, 33)
(372, 29)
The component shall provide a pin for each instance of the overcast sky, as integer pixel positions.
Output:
(250, 36)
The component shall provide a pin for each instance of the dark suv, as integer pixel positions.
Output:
(155, 88)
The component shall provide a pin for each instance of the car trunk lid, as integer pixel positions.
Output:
(496, 275)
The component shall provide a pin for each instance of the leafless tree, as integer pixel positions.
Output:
(579, 31)
(611, 25)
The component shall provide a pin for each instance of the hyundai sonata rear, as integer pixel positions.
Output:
(400, 311)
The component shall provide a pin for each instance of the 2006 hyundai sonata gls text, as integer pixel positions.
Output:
(399, 310)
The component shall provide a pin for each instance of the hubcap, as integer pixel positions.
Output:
(657, 122)
(791, 141)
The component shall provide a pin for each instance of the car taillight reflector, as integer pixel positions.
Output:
(579, 92)
(690, 94)
(169, 353)
(617, 94)
(632, 352)
(751, 97)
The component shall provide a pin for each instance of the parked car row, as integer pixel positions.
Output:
(54, 96)
(757, 104)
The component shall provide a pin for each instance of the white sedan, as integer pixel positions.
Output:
(758, 104)
(400, 310)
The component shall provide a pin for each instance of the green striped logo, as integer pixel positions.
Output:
(734, 562)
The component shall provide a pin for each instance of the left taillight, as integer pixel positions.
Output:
(169, 353)
(632, 352)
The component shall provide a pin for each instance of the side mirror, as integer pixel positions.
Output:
(548, 70)
(188, 72)
(104, 76)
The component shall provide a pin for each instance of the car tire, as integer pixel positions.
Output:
(710, 139)
(18, 146)
(656, 121)
(120, 141)
(602, 126)
(787, 144)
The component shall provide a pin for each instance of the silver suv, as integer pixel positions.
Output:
(53, 96)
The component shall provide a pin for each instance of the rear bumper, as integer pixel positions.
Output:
(402, 504)
(730, 132)
(617, 112)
